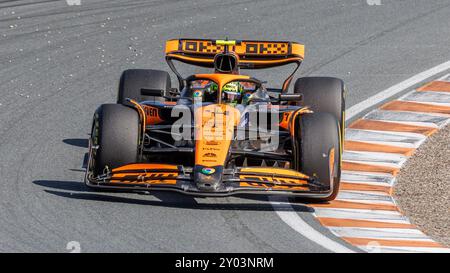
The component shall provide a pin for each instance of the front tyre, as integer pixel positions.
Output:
(318, 150)
(115, 136)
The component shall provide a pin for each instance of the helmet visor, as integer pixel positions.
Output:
(231, 97)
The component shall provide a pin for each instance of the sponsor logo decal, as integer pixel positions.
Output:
(198, 94)
(151, 111)
(208, 171)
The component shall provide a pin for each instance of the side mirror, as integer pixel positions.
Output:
(290, 97)
(152, 92)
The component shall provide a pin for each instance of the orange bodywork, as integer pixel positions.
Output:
(152, 115)
(288, 119)
(145, 175)
(214, 129)
(297, 180)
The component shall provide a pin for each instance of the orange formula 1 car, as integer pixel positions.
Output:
(222, 133)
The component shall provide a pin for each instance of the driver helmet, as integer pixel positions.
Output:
(232, 93)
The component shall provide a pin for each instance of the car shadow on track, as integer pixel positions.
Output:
(77, 142)
(77, 190)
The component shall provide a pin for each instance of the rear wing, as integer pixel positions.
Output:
(252, 54)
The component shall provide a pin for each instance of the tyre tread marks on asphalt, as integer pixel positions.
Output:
(365, 214)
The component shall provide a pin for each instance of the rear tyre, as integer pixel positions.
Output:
(116, 133)
(323, 94)
(133, 80)
(318, 148)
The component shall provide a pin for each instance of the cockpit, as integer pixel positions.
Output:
(240, 91)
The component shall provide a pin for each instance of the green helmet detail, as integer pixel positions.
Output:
(232, 93)
(232, 87)
(214, 86)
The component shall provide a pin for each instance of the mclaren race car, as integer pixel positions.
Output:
(222, 133)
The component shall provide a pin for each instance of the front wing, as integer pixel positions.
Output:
(241, 180)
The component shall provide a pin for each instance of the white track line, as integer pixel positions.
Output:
(385, 249)
(299, 225)
(380, 233)
(418, 119)
(291, 217)
(359, 214)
